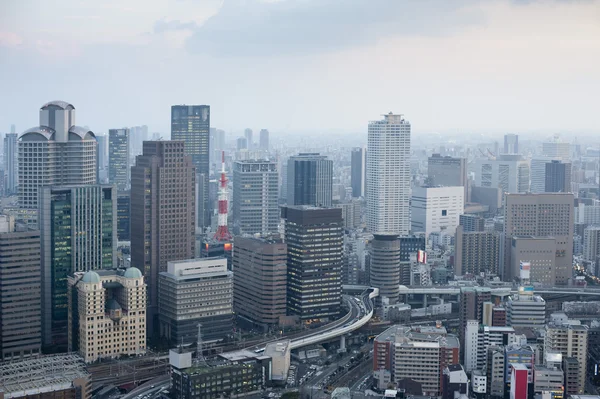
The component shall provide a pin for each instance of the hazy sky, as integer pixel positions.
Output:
(448, 65)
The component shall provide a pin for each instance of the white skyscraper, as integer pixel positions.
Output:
(388, 175)
(557, 149)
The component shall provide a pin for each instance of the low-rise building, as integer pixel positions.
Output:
(526, 310)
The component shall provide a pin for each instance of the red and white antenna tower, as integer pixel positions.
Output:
(222, 233)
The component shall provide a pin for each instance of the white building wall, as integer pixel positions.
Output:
(471, 345)
(436, 209)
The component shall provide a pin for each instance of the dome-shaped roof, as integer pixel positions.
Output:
(132, 272)
(112, 304)
(91, 277)
(81, 133)
(58, 103)
(37, 133)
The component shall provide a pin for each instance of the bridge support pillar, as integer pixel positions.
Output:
(343, 343)
(425, 301)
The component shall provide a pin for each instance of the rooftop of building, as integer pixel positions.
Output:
(40, 375)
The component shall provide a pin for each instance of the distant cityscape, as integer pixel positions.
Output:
(214, 264)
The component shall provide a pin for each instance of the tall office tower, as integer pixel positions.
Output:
(358, 171)
(55, 153)
(314, 237)
(511, 144)
(11, 163)
(283, 182)
(118, 299)
(192, 292)
(162, 213)
(558, 177)
(123, 215)
(571, 340)
(471, 223)
(591, 243)
(540, 215)
(476, 252)
(241, 143)
(191, 124)
(385, 265)
(263, 144)
(310, 180)
(509, 172)
(471, 306)
(248, 137)
(220, 139)
(20, 289)
(448, 171)
(538, 174)
(388, 175)
(260, 280)
(351, 212)
(102, 151)
(436, 209)
(78, 228)
(119, 172)
(409, 245)
(557, 149)
(255, 197)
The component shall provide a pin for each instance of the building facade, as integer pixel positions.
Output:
(571, 340)
(255, 197)
(192, 292)
(260, 280)
(448, 171)
(358, 171)
(558, 177)
(191, 124)
(20, 291)
(388, 175)
(476, 252)
(310, 180)
(509, 172)
(526, 311)
(537, 252)
(436, 209)
(119, 150)
(511, 144)
(78, 228)
(107, 314)
(11, 163)
(163, 217)
(263, 142)
(385, 265)
(314, 237)
(123, 215)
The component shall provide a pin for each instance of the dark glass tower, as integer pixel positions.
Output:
(558, 177)
(118, 152)
(310, 180)
(191, 124)
(358, 171)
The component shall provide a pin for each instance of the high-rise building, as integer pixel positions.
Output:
(124, 215)
(191, 124)
(385, 265)
(20, 291)
(263, 144)
(436, 209)
(241, 144)
(255, 197)
(555, 148)
(260, 280)
(192, 292)
(118, 299)
(471, 306)
(538, 173)
(388, 175)
(471, 223)
(538, 254)
(508, 172)
(310, 180)
(409, 245)
(591, 243)
(314, 237)
(558, 177)
(495, 371)
(448, 171)
(511, 144)
(102, 156)
(571, 340)
(476, 252)
(358, 171)
(351, 213)
(55, 153)
(78, 228)
(249, 139)
(162, 213)
(119, 154)
(540, 215)
(11, 162)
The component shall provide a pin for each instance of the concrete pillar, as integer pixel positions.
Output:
(343, 343)
(425, 301)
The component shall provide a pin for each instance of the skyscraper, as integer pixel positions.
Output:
(255, 197)
(509, 172)
(558, 177)
(78, 228)
(119, 152)
(511, 144)
(162, 213)
(191, 124)
(310, 180)
(20, 291)
(358, 171)
(555, 148)
(123, 215)
(55, 153)
(314, 237)
(540, 215)
(102, 156)
(388, 175)
(11, 164)
(538, 174)
(436, 209)
(448, 171)
(264, 140)
(385, 265)
(476, 252)
(248, 137)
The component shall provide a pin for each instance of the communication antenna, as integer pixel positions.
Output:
(200, 360)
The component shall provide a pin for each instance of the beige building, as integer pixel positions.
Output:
(570, 340)
(540, 215)
(540, 253)
(476, 252)
(107, 313)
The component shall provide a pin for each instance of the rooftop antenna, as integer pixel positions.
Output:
(200, 361)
